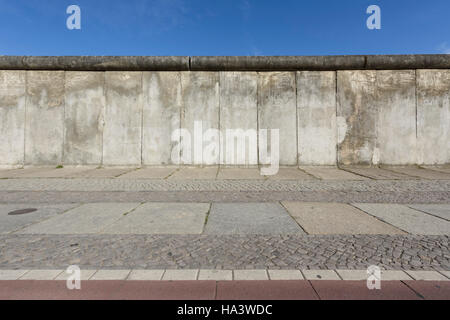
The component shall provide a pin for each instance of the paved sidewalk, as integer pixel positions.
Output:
(224, 290)
(220, 224)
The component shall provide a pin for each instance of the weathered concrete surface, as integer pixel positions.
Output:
(56, 172)
(396, 132)
(316, 111)
(83, 117)
(148, 173)
(357, 117)
(162, 218)
(237, 173)
(438, 210)
(421, 173)
(195, 173)
(291, 174)
(44, 117)
(104, 172)
(85, 219)
(200, 95)
(378, 173)
(433, 116)
(276, 110)
(250, 218)
(95, 63)
(278, 63)
(330, 173)
(12, 117)
(407, 219)
(161, 116)
(123, 119)
(239, 111)
(224, 63)
(11, 223)
(336, 218)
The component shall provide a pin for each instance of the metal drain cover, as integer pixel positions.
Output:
(21, 211)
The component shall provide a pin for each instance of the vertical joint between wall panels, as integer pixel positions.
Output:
(336, 101)
(181, 113)
(142, 116)
(257, 120)
(296, 118)
(63, 120)
(220, 105)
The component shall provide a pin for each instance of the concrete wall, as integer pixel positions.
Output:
(325, 117)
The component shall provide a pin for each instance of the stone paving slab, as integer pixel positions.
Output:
(390, 275)
(407, 219)
(222, 275)
(41, 274)
(85, 219)
(250, 218)
(162, 218)
(285, 275)
(207, 173)
(379, 174)
(250, 275)
(325, 173)
(104, 173)
(84, 275)
(11, 274)
(282, 252)
(240, 174)
(11, 223)
(57, 173)
(17, 173)
(148, 173)
(147, 275)
(110, 275)
(439, 210)
(421, 173)
(336, 218)
(291, 174)
(171, 275)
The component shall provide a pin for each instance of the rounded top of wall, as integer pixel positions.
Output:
(225, 63)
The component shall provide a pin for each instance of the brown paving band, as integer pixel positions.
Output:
(227, 290)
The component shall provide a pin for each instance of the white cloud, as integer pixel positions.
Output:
(444, 47)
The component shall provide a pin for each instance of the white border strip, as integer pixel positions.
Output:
(223, 275)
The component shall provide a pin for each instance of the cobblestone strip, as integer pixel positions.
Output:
(88, 185)
(225, 252)
(206, 196)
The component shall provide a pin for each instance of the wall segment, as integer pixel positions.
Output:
(123, 110)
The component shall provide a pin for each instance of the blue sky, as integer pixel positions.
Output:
(229, 27)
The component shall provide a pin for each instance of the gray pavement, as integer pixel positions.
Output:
(225, 218)
(250, 218)
(222, 218)
(336, 218)
(407, 219)
(438, 210)
(11, 223)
